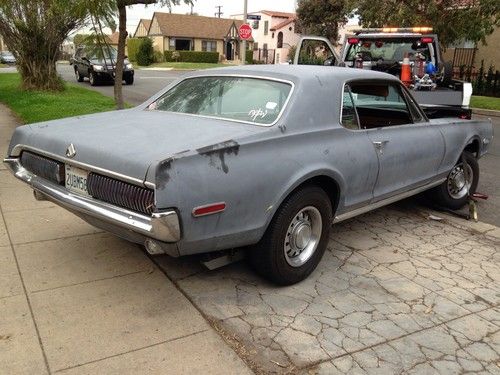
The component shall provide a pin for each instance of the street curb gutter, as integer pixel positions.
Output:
(485, 112)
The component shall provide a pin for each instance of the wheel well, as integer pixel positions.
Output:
(329, 185)
(473, 148)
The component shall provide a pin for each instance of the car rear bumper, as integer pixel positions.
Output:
(163, 226)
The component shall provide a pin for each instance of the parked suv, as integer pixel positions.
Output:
(98, 63)
(7, 57)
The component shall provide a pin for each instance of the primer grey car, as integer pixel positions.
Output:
(265, 157)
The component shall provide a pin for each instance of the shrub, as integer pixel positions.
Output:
(132, 48)
(145, 53)
(249, 57)
(192, 56)
(158, 57)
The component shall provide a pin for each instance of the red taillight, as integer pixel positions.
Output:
(209, 209)
(352, 40)
(427, 39)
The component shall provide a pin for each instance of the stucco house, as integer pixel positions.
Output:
(182, 32)
(273, 35)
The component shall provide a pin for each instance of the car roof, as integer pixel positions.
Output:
(297, 73)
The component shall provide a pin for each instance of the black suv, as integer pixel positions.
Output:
(98, 64)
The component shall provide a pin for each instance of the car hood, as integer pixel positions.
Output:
(127, 142)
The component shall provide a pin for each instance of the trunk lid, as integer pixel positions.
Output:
(128, 142)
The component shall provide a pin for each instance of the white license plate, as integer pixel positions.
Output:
(76, 180)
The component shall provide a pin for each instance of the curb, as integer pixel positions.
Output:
(485, 112)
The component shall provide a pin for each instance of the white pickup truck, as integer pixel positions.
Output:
(433, 87)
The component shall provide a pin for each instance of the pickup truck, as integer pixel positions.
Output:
(433, 87)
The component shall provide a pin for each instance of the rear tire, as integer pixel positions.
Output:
(296, 238)
(78, 76)
(453, 192)
(129, 80)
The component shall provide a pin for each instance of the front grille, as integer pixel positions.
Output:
(43, 167)
(120, 193)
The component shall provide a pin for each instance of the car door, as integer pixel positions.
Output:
(356, 156)
(409, 148)
(315, 50)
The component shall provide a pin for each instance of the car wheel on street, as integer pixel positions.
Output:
(93, 79)
(129, 80)
(454, 192)
(296, 238)
(79, 78)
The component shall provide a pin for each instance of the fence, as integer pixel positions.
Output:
(484, 81)
(264, 56)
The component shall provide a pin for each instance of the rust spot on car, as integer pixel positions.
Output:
(218, 152)
(163, 173)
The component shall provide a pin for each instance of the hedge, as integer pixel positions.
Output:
(193, 56)
(145, 54)
(132, 48)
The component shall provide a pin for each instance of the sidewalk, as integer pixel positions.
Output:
(75, 300)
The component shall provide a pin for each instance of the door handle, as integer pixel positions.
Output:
(379, 145)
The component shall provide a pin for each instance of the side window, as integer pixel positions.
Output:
(315, 52)
(349, 119)
(413, 107)
(380, 104)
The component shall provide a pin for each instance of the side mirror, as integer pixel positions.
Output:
(330, 61)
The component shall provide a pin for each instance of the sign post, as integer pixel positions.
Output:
(245, 14)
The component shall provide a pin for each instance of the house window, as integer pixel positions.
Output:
(266, 27)
(255, 25)
(255, 46)
(183, 45)
(280, 40)
(171, 44)
(272, 35)
(209, 46)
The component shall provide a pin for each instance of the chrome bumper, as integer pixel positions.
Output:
(163, 226)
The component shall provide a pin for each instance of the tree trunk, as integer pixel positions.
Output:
(37, 66)
(122, 28)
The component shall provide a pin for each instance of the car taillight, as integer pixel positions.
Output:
(209, 209)
(352, 40)
(427, 39)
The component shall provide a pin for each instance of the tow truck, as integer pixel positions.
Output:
(413, 54)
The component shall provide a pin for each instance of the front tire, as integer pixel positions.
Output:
(129, 80)
(455, 191)
(296, 238)
(93, 79)
(78, 76)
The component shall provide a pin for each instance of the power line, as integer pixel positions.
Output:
(219, 12)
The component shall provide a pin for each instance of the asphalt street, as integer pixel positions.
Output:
(149, 82)
(146, 83)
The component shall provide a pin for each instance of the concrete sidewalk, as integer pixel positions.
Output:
(78, 301)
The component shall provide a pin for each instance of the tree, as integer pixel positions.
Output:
(145, 52)
(120, 7)
(323, 17)
(472, 20)
(34, 30)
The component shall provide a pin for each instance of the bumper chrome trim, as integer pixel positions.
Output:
(163, 226)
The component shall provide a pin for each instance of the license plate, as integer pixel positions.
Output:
(76, 180)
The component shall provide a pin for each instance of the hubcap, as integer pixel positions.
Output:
(457, 184)
(302, 236)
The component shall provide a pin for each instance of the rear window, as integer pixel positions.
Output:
(252, 100)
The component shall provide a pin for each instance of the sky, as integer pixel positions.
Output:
(207, 8)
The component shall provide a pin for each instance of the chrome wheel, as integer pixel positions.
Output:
(303, 236)
(456, 184)
(91, 78)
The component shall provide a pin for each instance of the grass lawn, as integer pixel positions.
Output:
(485, 102)
(3, 65)
(35, 106)
(185, 65)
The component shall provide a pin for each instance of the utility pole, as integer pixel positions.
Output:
(245, 15)
(218, 13)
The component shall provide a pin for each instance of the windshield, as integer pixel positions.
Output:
(253, 100)
(101, 53)
(7, 54)
(393, 49)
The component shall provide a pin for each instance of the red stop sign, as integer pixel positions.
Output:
(245, 31)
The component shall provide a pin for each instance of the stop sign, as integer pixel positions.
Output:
(245, 31)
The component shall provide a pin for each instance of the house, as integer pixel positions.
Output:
(183, 32)
(273, 35)
(142, 28)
